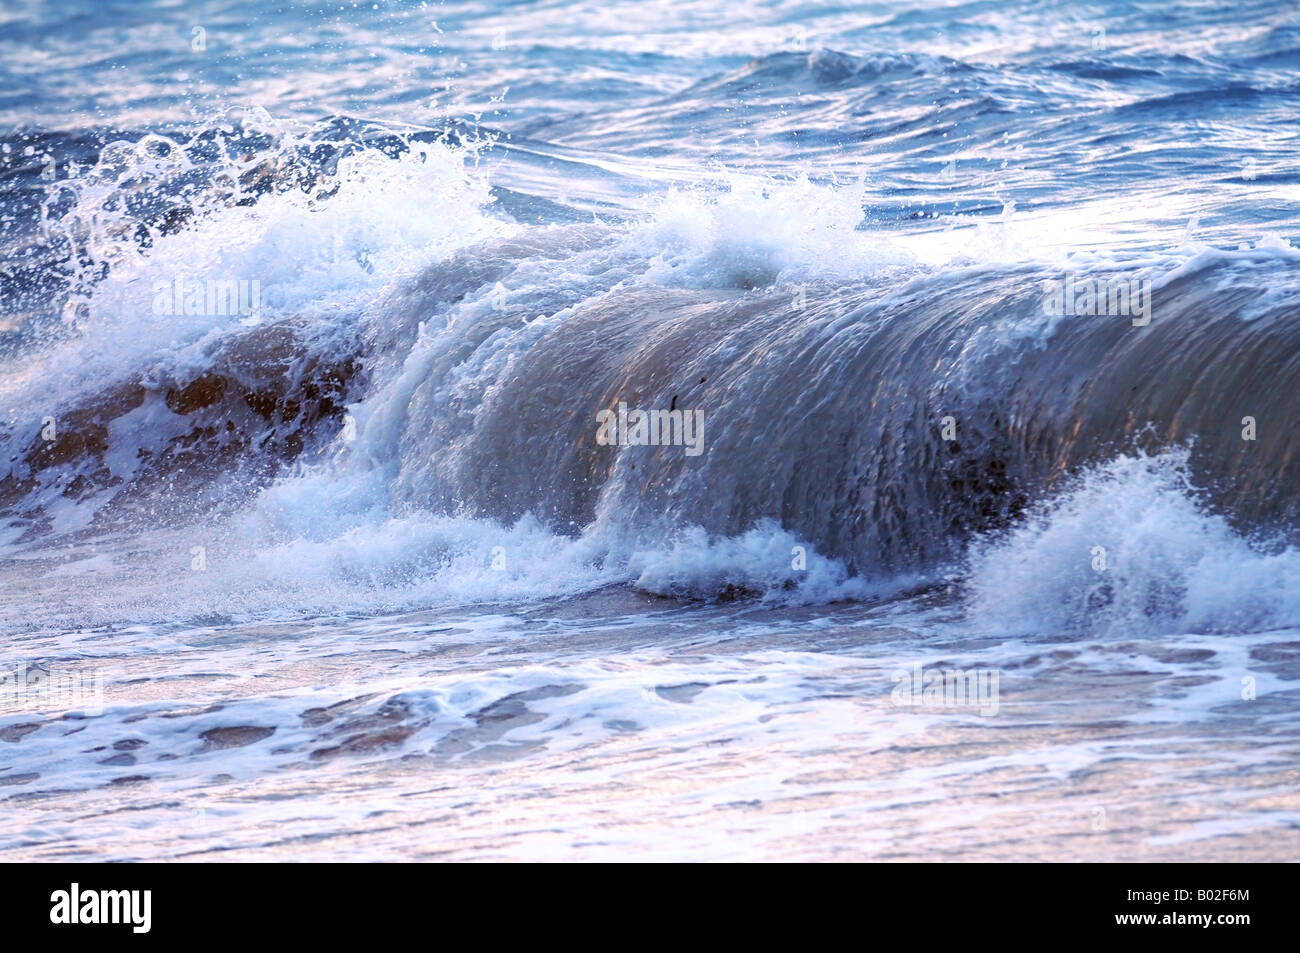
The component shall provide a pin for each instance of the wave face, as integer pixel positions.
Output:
(828, 416)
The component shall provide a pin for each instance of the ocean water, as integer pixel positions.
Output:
(332, 525)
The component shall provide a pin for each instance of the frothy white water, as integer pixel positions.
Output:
(766, 561)
(1128, 548)
(243, 572)
(751, 231)
(322, 256)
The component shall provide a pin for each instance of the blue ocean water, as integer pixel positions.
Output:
(327, 529)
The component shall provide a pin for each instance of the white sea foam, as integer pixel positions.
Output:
(321, 261)
(1127, 548)
(754, 232)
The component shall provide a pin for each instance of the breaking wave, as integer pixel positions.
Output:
(420, 385)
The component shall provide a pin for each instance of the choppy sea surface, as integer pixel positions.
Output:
(315, 318)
